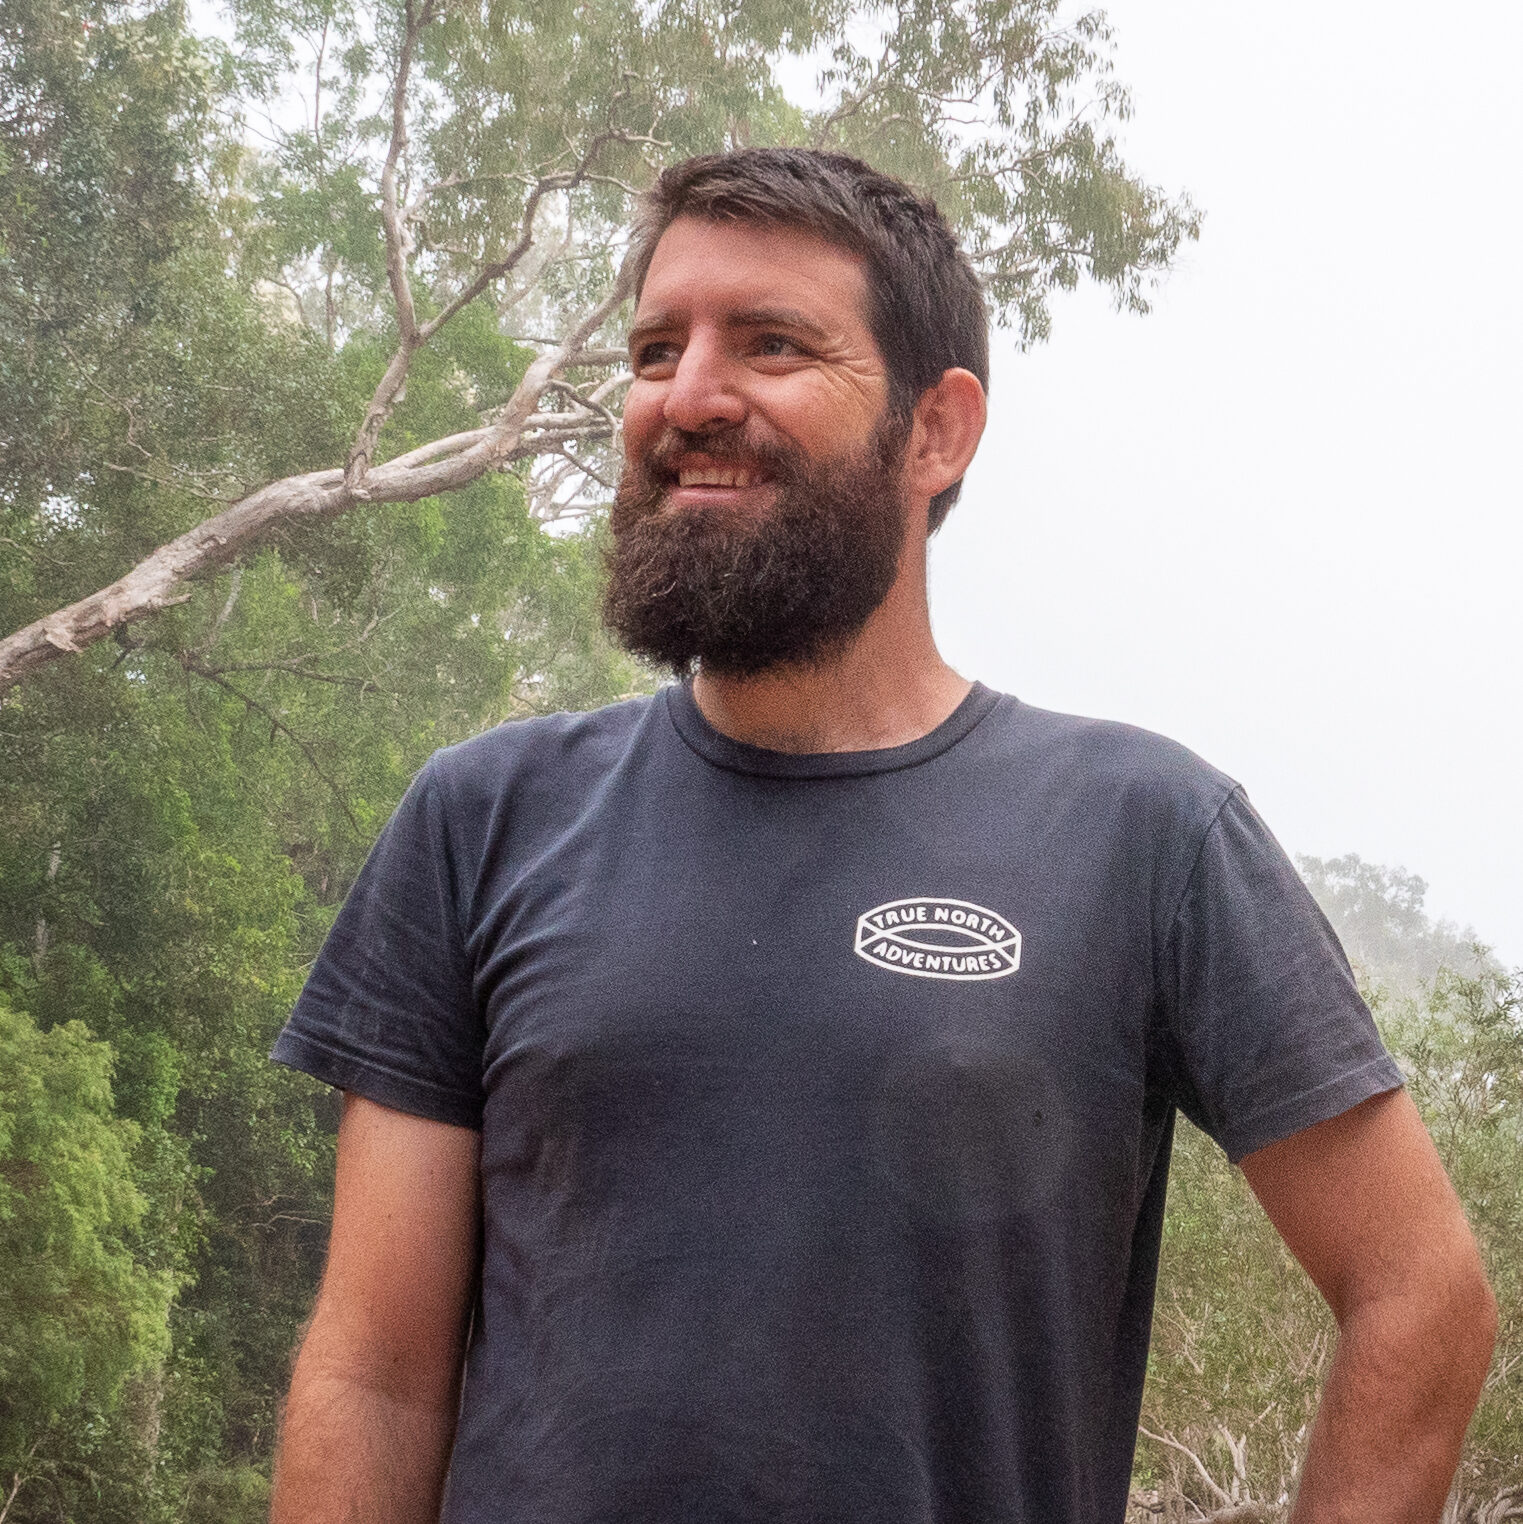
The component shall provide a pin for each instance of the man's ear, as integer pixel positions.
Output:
(948, 423)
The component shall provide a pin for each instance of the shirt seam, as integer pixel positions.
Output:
(432, 779)
(829, 777)
(1200, 849)
(1245, 1126)
(1163, 1001)
(371, 1066)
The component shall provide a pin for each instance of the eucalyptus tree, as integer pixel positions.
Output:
(432, 163)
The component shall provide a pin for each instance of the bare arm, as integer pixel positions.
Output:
(1364, 1204)
(371, 1415)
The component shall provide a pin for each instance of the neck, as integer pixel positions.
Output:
(890, 686)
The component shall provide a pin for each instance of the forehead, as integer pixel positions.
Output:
(708, 271)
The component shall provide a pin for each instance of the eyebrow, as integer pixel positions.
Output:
(748, 317)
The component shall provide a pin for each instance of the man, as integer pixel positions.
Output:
(766, 1088)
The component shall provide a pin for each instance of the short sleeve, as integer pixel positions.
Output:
(388, 1011)
(1265, 1030)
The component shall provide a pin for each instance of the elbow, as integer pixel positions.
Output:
(1434, 1332)
(1483, 1318)
(1473, 1345)
(1460, 1324)
(1468, 1323)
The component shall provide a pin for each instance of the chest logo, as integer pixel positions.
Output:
(938, 939)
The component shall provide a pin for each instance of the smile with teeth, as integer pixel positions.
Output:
(718, 476)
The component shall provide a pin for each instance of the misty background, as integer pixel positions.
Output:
(1278, 517)
(1272, 519)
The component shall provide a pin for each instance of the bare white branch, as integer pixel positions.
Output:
(441, 466)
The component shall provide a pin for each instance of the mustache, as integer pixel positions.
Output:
(734, 445)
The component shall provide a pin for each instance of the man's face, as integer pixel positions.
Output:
(760, 516)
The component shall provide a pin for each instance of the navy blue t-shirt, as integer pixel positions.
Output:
(826, 1101)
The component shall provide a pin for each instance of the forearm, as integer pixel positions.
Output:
(352, 1452)
(1387, 1436)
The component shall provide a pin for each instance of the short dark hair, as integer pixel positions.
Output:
(926, 307)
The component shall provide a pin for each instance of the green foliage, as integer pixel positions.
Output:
(1462, 1050)
(186, 809)
(1241, 1339)
(240, 1495)
(81, 1312)
(137, 382)
(1001, 109)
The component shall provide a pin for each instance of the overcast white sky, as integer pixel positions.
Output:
(1278, 518)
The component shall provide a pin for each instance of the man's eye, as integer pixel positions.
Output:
(774, 345)
(662, 353)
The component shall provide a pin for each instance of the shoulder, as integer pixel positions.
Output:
(590, 733)
(1108, 768)
(561, 751)
(517, 750)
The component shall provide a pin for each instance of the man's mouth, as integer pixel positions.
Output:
(719, 476)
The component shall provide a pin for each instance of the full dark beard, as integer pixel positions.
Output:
(740, 593)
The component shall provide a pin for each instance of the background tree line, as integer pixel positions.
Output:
(309, 388)
(1241, 1339)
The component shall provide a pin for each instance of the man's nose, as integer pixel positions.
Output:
(705, 393)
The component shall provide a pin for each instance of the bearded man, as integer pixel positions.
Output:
(759, 1095)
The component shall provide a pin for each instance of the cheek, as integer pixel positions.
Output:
(821, 416)
(642, 418)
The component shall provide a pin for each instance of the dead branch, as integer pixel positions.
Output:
(542, 504)
(442, 466)
(1219, 1493)
(590, 401)
(596, 357)
(613, 384)
(545, 505)
(398, 247)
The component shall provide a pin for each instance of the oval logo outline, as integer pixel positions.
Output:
(903, 935)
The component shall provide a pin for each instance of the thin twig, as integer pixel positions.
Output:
(19, 1479)
(227, 608)
(1221, 1494)
(362, 684)
(584, 468)
(211, 675)
(170, 484)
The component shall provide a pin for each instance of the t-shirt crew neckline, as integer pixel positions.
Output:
(742, 757)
